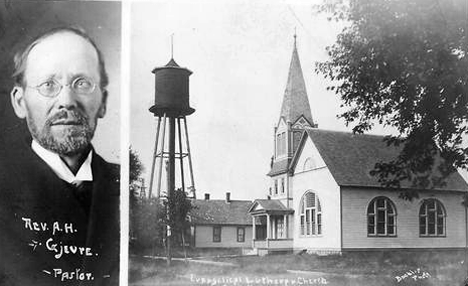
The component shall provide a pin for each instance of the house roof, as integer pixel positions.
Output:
(350, 157)
(295, 100)
(268, 206)
(220, 212)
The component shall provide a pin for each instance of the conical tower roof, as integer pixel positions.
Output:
(172, 63)
(295, 100)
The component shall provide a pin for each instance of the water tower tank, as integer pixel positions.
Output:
(172, 91)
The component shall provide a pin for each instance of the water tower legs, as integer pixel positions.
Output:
(173, 153)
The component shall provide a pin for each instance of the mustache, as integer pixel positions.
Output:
(74, 116)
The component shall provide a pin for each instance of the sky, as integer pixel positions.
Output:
(239, 53)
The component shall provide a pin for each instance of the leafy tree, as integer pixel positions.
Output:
(404, 63)
(147, 226)
(178, 205)
(136, 168)
(147, 215)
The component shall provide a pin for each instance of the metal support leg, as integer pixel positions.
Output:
(155, 153)
(162, 157)
(182, 180)
(189, 158)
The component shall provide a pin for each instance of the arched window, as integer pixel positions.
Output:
(381, 217)
(309, 164)
(432, 218)
(310, 215)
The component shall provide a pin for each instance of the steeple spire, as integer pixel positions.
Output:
(295, 100)
(295, 36)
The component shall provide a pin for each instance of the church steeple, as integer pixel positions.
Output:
(295, 100)
(294, 118)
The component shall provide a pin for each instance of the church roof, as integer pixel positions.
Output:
(279, 167)
(295, 100)
(350, 157)
(269, 206)
(220, 212)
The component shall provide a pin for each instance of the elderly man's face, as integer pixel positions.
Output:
(65, 123)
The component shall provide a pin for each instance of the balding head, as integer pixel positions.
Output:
(21, 57)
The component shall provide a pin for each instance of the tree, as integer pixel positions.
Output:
(146, 214)
(136, 168)
(147, 226)
(404, 63)
(177, 206)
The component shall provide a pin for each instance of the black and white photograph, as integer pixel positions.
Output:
(298, 143)
(234, 142)
(60, 117)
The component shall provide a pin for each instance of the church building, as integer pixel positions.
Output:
(323, 200)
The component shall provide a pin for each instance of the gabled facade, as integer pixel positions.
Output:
(323, 199)
(350, 210)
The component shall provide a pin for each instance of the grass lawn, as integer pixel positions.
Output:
(357, 268)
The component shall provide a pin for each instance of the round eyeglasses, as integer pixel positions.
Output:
(51, 88)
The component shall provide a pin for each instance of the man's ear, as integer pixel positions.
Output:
(17, 101)
(103, 107)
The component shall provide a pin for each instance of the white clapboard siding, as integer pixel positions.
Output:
(354, 220)
(204, 237)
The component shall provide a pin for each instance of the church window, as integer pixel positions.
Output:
(431, 218)
(302, 225)
(381, 217)
(310, 215)
(281, 144)
(296, 139)
(309, 164)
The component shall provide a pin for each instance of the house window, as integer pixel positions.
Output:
(281, 144)
(240, 234)
(276, 187)
(282, 185)
(310, 215)
(381, 217)
(216, 234)
(432, 218)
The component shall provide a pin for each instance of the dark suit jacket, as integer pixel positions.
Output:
(41, 220)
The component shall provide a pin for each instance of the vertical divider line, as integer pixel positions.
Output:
(124, 139)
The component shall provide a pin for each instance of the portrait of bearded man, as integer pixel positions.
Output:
(59, 200)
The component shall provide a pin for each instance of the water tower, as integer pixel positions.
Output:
(171, 107)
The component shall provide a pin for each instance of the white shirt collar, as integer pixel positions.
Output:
(60, 168)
